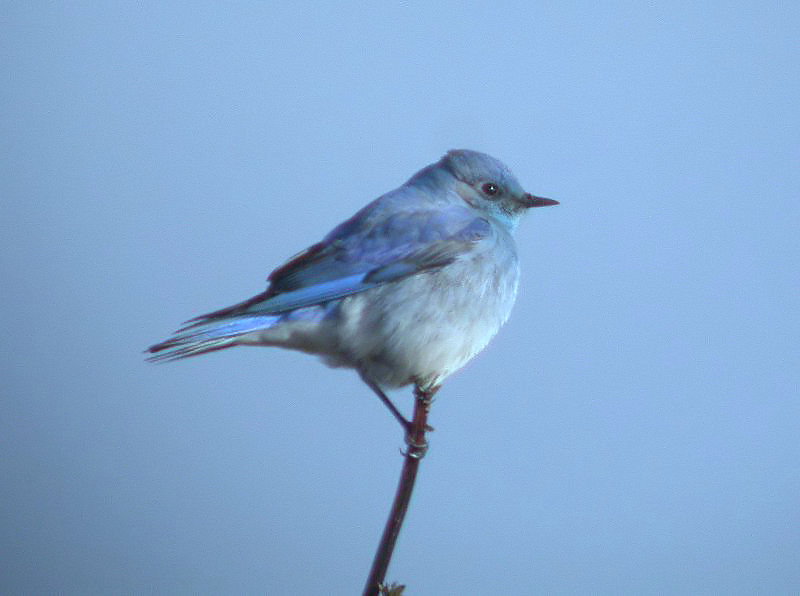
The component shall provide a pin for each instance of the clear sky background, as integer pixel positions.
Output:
(633, 429)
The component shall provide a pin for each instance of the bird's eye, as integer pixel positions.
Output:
(490, 189)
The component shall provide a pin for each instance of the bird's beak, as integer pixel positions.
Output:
(532, 201)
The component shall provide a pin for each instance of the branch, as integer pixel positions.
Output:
(417, 446)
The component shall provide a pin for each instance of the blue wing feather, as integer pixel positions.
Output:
(361, 253)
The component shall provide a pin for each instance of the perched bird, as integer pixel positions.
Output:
(406, 291)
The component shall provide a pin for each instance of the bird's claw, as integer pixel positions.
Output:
(416, 449)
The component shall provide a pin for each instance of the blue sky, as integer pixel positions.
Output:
(634, 427)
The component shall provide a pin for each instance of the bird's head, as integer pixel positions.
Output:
(489, 186)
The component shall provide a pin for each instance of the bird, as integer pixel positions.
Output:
(405, 292)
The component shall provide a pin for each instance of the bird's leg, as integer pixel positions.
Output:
(406, 424)
(426, 397)
(415, 436)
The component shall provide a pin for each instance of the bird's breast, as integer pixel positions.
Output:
(427, 326)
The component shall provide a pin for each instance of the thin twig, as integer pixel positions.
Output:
(417, 446)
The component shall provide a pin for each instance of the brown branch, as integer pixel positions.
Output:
(417, 446)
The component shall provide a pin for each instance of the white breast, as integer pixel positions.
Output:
(427, 326)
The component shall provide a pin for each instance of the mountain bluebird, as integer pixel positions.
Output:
(408, 290)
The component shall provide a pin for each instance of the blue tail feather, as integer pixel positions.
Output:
(210, 336)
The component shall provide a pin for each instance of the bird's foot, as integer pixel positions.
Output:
(416, 449)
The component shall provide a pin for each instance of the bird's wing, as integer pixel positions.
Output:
(363, 253)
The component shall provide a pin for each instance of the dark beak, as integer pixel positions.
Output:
(532, 201)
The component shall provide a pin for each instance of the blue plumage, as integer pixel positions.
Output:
(406, 291)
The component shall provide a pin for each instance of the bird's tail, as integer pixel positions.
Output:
(209, 336)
